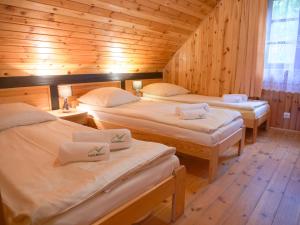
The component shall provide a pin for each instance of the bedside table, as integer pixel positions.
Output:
(73, 116)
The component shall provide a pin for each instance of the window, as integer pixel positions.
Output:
(282, 69)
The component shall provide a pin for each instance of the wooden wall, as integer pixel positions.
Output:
(281, 102)
(49, 37)
(226, 53)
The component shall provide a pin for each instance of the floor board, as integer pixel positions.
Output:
(261, 187)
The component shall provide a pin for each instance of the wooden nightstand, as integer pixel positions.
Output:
(73, 115)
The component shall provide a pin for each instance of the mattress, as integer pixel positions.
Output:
(39, 190)
(103, 203)
(251, 110)
(165, 113)
(202, 138)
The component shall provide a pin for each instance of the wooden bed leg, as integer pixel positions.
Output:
(255, 131)
(2, 220)
(213, 166)
(242, 142)
(178, 198)
(268, 122)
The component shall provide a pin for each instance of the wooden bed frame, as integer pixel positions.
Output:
(204, 152)
(189, 148)
(254, 124)
(249, 123)
(173, 186)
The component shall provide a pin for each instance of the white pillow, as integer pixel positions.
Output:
(108, 97)
(164, 89)
(21, 114)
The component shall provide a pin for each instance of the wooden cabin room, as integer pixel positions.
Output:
(149, 112)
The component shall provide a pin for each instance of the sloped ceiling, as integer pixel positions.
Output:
(49, 37)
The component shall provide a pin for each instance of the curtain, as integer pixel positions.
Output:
(282, 55)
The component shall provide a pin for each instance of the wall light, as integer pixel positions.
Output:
(137, 86)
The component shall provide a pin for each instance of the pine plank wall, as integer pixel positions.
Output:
(49, 37)
(226, 55)
(209, 46)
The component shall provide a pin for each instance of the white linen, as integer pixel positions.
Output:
(103, 203)
(184, 107)
(164, 113)
(256, 113)
(21, 114)
(116, 138)
(211, 100)
(83, 152)
(108, 97)
(164, 89)
(206, 139)
(37, 189)
(193, 114)
(235, 98)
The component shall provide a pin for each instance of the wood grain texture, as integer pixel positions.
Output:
(50, 37)
(226, 53)
(260, 188)
(281, 102)
(38, 96)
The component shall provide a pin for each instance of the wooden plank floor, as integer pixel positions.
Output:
(261, 187)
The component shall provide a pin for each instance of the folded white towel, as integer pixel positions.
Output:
(235, 98)
(193, 114)
(83, 152)
(185, 107)
(116, 138)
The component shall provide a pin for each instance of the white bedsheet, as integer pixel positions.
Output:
(256, 113)
(164, 113)
(250, 105)
(102, 203)
(206, 139)
(37, 189)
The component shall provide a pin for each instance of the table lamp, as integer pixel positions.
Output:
(65, 91)
(137, 86)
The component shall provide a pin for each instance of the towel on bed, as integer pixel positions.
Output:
(187, 107)
(193, 114)
(83, 152)
(116, 138)
(235, 98)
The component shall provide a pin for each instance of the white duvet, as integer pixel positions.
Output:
(162, 112)
(250, 105)
(34, 188)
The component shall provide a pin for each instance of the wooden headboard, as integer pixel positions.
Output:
(82, 88)
(38, 96)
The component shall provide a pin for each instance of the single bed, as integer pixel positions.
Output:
(155, 121)
(254, 112)
(36, 190)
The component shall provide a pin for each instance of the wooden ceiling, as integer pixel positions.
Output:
(49, 37)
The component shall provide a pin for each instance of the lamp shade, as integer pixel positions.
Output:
(137, 84)
(65, 91)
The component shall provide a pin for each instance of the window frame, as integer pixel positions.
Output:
(270, 21)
